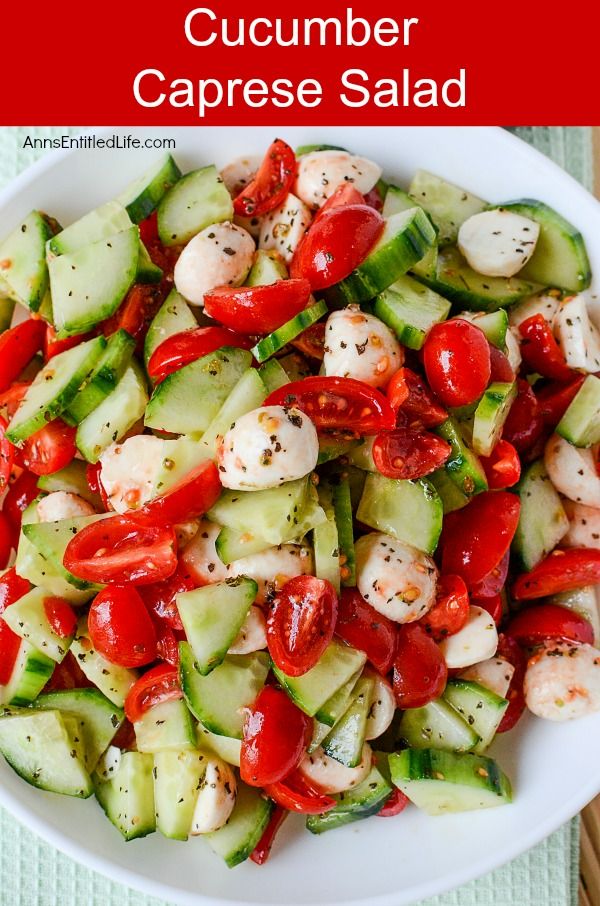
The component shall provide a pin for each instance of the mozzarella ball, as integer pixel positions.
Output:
(562, 681)
(360, 346)
(220, 255)
(513, 349)
(577, 335)
(572, 471)
(495, 674)
(329, 775)
(216, 798)
(476, 641)
(382, 708)
(130, 471)
(584, 525)
(498, 243)
(321, 172)
(241, 171)
(283, 228)
(267, 447)
(545, 304)
(63, 505)
(396, 579)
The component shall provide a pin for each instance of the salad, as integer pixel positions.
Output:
(301, 495)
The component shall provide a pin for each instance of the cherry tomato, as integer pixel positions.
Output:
(362, 626)
(276, 733)
(300, 623)
(337, 404)
(11, 398)
(61, 616)
(118, 550)
(451, 610)
(540, 351)
(257, 309)
(149, 229)
(120, 627)
(336, 243)
(17, 348)
(18, 497)
(12, 587)
(68, 675)
(413, 402)
(373, 198)
(53, 347)
(50, 449)
(135, 312)
(500, 368)
(394, 804)
(159, 684)
(297, 795)
(493, 605)
(554, 399)
(124, 738)
(511, 651)
(549, 621)
(560, 571)
(6, 540)
(524, 424)
(262, 850)
(477, 537)
(272, 183)
(182, 348)
(502, 467)
(160, 598)
(167, 642)
(345, 194)
(312, 341)
(420, 671)
(94, 479)
(407, 453)
(456, 356)
(7, 456)
(191, 497)
(494, 582)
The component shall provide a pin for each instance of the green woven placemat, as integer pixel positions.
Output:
(34, 874)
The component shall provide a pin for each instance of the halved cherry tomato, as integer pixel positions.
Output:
(53, 347)
(167, 642)
(406, 453)
(502, 467)
(420, 671)
(159, 684)
(124, 738)
(191, 497)
(394, 804)
(494, 582)
(477, 537)
(413, 402)
(94, 479)
(297, 795)
(456, 356)
(365, 628)
(373, 198)
(500, 368)
(312, 341)
(554, 399)
(18, 497)
(337, 404)
(514, 654)
(12, 587)
(17, 348)
(451, 609)
(524, 424)
(135, 312)
(276, 733)
(149, 229)
(182, 348)
(541, 353)
(6, 540)
(257, 309)
(61, 616)
(7, 456)
(562, 570)
(549, 621)
(262, 850)
(118, 550)
(160, 598)
(301, 623)
(50, 449)
(345, 194)
(336, 243)
(492, 604)
(272, 183)
(68, 675)
(11, 398)
(120, 627)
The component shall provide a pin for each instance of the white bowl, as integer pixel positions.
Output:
(555, 769)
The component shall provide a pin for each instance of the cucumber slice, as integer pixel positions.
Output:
(334, 668)
(38, 746)
(362, 801)
(147, 271)
(345, 742)
(88, 285)
(227, 749)
(463, 467)
(179, 457)
(450, 494)
(326, 543)
(72, 478)
(54, 388)
(177, 779)
(51, 540)
(193, 203)
(237, 839)
(542, 519)
(410, 310)
(334, 447)
(335, 707)
(7, 309)
(447, 204)
(494, 325)
(97, 718)
(410, 511)
(275, 341)
(112, 419)
(440, 782)
(218, 700)
(165, 727)
(109, 370)
(437, 725)
(273, 376)
(580, 424)
(232, 545)
(455, 280)
(128, 797)
(309, 149)
(27, 619)
(268, 267)
(23, 264)
(481, 708)
(189, 399)
(112, 680)
(560, 258)
(31, 672)
(490, 415)
(248, 394)
(142, 195)
(101, 223)
(362, 456)
(397, 200)
(342, 505)
(212, 616)
(406, 238)
(174, 316)
(269, 514)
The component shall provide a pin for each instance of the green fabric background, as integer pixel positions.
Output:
(35, 874)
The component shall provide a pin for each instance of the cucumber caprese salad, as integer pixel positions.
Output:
(301, 495)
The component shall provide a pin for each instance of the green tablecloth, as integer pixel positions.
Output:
(35, 874)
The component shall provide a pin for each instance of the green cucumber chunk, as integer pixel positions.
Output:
(437, 725)
(275, 341)
(345, 741)
(116, 414)
(410, 511)
(177, 780)
(142, 195)
(481, 708)
(335, 707)
(128, 797)
(273, 375)
(109, 370)
(196, 201)
(165, 727)
(23, 266)
(111, 679)
(397, 200)
(342, 505)
(97, 718)
(237, 839)
(7, 309)
(72, 479)
(27, 618)
(51, 540)
(334, 668)
(410, 310)
(362, 801)
(31, 671)
(448, 205)
(580, 424)
(463, 466)
(268, 267)
(101, 223)
(174, 316)
(326, 543)
(248, 394)
(494, 325)
(542, 518)
(147, 271)
(450, 494)
(270, 514)
(490, 415)
(227, 749)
